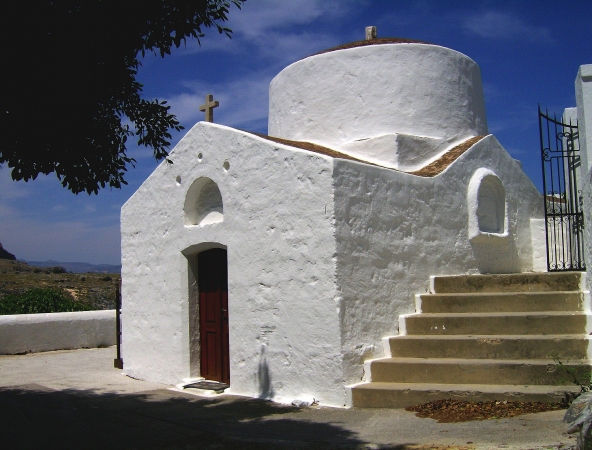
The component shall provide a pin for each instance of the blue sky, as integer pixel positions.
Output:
(529, 53)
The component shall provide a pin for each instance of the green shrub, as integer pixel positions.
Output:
(58, 269)
(46, 300)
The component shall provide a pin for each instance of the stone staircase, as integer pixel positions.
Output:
(485, 337)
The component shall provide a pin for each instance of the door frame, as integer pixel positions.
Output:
(213, 314)
(191, 354)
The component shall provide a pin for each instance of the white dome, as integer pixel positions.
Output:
(374, 101)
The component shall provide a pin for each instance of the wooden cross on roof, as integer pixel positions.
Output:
(209, 106)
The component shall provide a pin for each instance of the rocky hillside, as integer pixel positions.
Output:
(6, 255)
(94, 289)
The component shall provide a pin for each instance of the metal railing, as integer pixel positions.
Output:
(564, 218)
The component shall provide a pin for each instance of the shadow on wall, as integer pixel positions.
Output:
(499, 256)
(264, 376)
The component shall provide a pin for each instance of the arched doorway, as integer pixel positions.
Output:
(212, 281)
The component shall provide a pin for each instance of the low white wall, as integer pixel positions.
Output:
(539, 245)
(26, 333)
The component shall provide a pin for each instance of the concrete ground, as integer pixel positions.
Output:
(76, 399)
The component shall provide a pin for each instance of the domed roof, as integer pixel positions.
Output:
(399, 106)
(377, 41)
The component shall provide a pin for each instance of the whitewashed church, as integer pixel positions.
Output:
(277, 264)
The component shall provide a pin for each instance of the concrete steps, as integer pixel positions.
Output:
(501, 302)
(553, 346)
(519, 282)
(556, 322)
(485, 337)
(476, 371)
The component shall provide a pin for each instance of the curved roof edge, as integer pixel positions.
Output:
(377, 41)
(431, 170)
(316, 148)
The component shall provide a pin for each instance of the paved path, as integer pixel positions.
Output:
(76, 400)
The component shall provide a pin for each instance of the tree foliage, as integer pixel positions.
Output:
(70, 98)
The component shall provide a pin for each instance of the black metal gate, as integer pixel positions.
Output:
(564, 219)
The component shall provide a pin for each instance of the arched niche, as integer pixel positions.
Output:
(203, 203)
(488, 218)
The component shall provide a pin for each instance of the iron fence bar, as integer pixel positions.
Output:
(564, 219)
(118, 362)
(544, 185)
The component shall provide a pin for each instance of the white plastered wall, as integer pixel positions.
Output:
(398, 105)
(583, 86)
(395, 230)
(584, 104)
(278, 229)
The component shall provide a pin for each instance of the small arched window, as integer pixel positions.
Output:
(487, 206)
(491, 205)
(203, 203)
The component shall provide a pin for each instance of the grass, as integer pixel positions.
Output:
(93, 291)
(40, 300)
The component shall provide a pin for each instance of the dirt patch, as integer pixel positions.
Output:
(447, 411)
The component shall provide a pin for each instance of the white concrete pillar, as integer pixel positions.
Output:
(584, 105)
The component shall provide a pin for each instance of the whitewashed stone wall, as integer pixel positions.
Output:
(583, 88)
(394, 230)
(584, 104)
(323, 256)
(278, 229)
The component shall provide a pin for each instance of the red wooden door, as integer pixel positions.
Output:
(212, 274)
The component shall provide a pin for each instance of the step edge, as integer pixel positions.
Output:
(493, 388)
(501, 294)
(481, 362)
(502, 314)
(445, 337)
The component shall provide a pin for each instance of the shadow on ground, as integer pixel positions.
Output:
(32, 417)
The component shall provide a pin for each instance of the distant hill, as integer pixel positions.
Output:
(79, 267)
(5, 254)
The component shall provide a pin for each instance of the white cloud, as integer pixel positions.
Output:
(260, 16)
(265, 24)
(491, 91)
(288, 48)
(10, 189)
(242, 102)
(499, 25)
